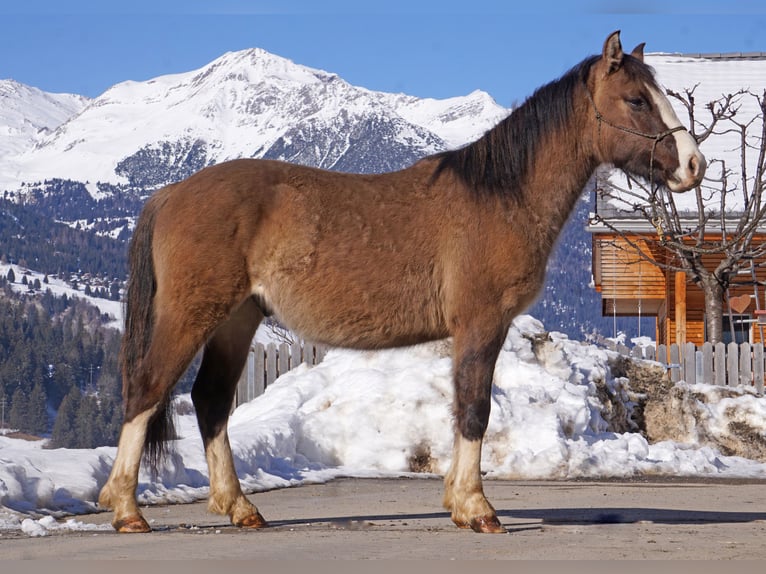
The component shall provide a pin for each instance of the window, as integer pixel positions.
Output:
(741, 333)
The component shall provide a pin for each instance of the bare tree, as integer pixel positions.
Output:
(726, 213)
(279, 332)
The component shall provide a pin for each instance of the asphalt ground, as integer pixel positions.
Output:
(402, 519)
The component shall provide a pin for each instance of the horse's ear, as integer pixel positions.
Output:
(638, 51)
(613, 53)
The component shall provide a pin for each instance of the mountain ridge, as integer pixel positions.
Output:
(28, 113)
(243, 104)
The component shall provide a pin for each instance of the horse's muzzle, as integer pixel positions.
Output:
(690, 176)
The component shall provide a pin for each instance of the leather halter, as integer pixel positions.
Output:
(656, 138)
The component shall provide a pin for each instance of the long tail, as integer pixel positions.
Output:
(139, 328)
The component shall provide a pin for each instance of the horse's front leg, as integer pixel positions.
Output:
(474, 366)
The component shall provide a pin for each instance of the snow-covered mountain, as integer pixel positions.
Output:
(244, 104)
(27, 115)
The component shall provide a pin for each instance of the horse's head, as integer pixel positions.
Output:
(636, 126)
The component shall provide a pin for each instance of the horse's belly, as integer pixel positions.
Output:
(359, 310)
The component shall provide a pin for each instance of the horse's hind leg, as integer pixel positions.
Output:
(475, 357)
(146, 394)
(224, 356)
(119, 492)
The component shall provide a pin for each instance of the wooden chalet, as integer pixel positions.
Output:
(632, 286)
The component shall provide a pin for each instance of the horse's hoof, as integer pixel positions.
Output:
(488, 525)
(253, 521)
(461, 523)
(131, 525)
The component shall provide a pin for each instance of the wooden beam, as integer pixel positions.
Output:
(680, 304)
(658, 339)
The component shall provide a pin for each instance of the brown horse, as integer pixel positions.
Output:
(453, 246)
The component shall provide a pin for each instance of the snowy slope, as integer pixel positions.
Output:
(27, 115)
(244, 104)
(60, 288)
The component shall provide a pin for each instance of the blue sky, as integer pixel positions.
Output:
(430, 48)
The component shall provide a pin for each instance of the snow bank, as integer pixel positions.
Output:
(388, 413)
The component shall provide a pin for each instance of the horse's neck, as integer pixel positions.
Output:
(560, 174)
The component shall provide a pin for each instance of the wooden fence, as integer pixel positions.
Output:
(267, 362)
(730, 365)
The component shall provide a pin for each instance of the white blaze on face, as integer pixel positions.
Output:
(691, 162)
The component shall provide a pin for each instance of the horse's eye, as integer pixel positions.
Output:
(637, 103)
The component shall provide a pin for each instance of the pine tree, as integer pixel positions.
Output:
(37, 418)
(114, 290)
(19, 410)
(87, 423)
(4, 404)
(11, 276)
(64, 433)
(111, 415)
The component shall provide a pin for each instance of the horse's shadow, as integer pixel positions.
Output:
(526, 519)
(631, 515)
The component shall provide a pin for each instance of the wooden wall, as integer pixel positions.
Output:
(627, 280)
(624, 280)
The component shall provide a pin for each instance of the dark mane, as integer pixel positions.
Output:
(497, 163)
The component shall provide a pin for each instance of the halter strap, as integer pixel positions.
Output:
(656, 138)
(601, 119)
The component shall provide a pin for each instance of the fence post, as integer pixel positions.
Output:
(308, 353)
(259, 369)
(283, 356)
(732, 359)
(675, 363)
(720, 364)
(745, 371)
(707, 363)
(758, 367)
(245, 386)
(295, 354)
(662, 355)
(690, 363)
(623, 350)
(271, 363)
(241, 396)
